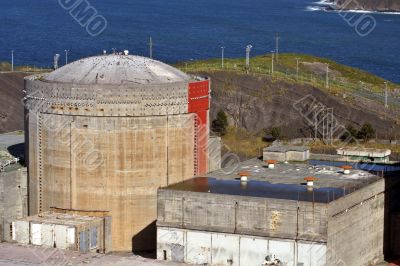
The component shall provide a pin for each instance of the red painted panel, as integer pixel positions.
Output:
(199, 103)
(199, 96)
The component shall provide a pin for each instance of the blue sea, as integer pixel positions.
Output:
(196, 29)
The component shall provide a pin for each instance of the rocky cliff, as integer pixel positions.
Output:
(369, 5)
(254, 102)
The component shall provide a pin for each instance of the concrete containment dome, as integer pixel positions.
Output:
(104, 133)
(116, 70)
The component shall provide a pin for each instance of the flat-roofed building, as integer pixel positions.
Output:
(283, 153)
(356, 154)
(297, 213)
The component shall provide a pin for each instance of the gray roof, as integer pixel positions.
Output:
(116, 70)
(285, 181)
(284, 148)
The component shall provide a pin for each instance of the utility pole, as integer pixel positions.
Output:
(151, 47)
(272, 62)
(386, 95)
(327, 76)
(56, 58)
(297, 69)
(248, 50)
(277, 46)
(66, 57)
(222, 56)
(12, 60)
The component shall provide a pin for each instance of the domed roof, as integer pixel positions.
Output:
(116, 70)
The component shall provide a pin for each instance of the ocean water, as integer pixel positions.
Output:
(196, 29)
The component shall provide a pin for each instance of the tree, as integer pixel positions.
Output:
(366, 132)
(350, 135)
(220, 124)
(272, 134)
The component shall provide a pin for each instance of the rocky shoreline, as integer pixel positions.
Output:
(363, 5)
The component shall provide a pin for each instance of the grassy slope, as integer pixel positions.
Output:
(342, 77)
(5, 66)
(311, 71)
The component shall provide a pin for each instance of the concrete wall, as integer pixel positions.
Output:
(356, 227)
(278, 156)
(85, 235)
(242, 215)
(201, 247)
(214, 150)
(286, 156)
(13, 200)
(111, 164)
(108, 148)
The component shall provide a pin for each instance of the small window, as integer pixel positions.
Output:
(165, 254)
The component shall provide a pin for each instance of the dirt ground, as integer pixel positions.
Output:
(13, 254)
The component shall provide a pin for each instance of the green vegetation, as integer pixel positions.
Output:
(350, 135)
(242, 142)
(5, 66)
(366, 132)
(220, 124)
(311, 70)
(272, 134)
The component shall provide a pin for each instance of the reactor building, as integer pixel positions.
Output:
(105, 132)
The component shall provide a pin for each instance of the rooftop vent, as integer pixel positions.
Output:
(310, 182)
(243, 176)
(346, 169)
(271, 163)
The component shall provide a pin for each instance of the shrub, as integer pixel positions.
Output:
(220, 123)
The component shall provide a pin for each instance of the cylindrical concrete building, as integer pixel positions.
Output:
(103, 133)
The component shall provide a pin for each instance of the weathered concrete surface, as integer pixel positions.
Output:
(356, 227)
(13, 200)
(242, 215)
(12, 254)
(283, 153)
(215, 248)
(214, 150)
(103, 134)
